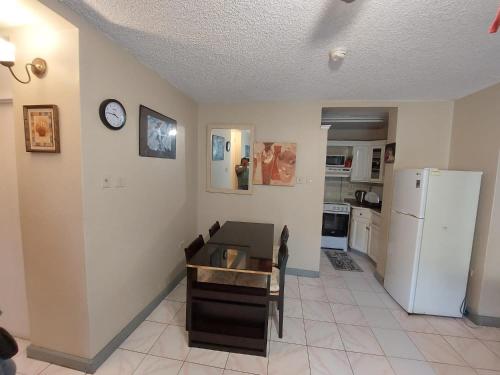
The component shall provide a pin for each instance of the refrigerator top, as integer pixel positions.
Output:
(410, 191)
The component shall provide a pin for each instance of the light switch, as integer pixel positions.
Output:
(107, 182)
(121, 182)
(299, 180)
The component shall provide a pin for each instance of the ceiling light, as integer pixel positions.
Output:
(8, 56)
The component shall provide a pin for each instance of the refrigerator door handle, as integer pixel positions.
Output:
(405, 213)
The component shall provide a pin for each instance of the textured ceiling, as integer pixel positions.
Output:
(238, 50)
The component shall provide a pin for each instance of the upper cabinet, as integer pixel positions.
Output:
(368, 163)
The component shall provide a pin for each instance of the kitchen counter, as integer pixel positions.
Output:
(354, 203)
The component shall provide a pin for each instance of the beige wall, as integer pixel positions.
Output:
(13, 301)
(475, 145)
(50, 193)
(135, 235)
(422, 135)
(300, 206)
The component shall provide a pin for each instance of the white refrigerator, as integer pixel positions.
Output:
(430, 239)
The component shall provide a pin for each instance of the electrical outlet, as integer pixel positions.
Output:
(299, 180)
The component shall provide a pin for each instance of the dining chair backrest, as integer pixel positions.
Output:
(284, 235)
(194, 247)
(282, 260)
(214, 228)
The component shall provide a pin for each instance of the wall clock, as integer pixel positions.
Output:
(112, 114)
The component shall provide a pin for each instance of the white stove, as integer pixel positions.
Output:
(335, 227)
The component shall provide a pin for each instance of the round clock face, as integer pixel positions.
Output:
(112, 114)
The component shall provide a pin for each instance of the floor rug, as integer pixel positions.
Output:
(342, 261)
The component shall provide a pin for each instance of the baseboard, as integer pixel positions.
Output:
(482, 320)
(91, 365)
(379, 277)
(301, 272)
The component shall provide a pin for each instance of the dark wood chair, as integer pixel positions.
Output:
(194, 247)
(214, 229)
(277, 292)
(283, 240)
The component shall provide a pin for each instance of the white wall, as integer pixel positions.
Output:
(13, 301)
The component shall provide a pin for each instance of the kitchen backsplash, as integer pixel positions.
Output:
(338, 189)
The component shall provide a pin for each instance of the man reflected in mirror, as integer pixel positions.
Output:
(242, 173)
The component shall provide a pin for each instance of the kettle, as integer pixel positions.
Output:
(360, 195)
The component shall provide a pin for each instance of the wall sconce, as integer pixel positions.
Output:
(7, 58)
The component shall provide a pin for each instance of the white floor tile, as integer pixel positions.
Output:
(338, 295)
(475, 353)
(359, 339)
(315, 310)
(288, 359)
(414, 323)
(334, 281)
(152, 365)
(328, 362)
(178, 294)
(359, 284)
(443, 369)
(180, 317)
(173, 343)
(411, 367)
(293, 308)
(143, 338)
(436, 349)
(368, 299)
(368, 364)
(348, 314)
(314, 293)
(323, 334)
(381, 318)
(28, 366)
(165, 311)
(195, 369)
(247, 363)
(207, 357)
(449, 326)
(396, 343)
(293, 331)
(389, 302)
(292, 291)
(58, 370)
(494, 346)
(311, 281)
(121, 362)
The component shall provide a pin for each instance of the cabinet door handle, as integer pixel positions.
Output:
(367, 228)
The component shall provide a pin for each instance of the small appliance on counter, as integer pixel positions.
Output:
(360, 196)
(372, 198)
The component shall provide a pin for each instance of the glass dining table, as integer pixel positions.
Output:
(227, 316)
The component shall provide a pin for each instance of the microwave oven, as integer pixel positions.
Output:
(335, 160)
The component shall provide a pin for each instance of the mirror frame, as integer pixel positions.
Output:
(211, 127)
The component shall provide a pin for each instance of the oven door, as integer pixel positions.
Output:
(335, 224)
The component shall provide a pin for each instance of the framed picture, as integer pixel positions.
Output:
(390, 153)
(218, 144)
(157, 134)
(41, 128)
(274, 163)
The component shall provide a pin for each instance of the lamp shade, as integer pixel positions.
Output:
(7, 51)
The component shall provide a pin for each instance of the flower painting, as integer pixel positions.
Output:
(41, 128)
(157, 134)
(274, 163)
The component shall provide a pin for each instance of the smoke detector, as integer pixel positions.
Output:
(338, 54)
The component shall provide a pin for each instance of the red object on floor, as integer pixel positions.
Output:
(496, 23)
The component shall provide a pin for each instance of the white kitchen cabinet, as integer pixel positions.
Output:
(365, 232)
(374, 242)
(368, 163)
(359, 232)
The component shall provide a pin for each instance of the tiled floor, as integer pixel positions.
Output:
(341, 323)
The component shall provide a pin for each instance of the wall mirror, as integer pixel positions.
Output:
(229, 158)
